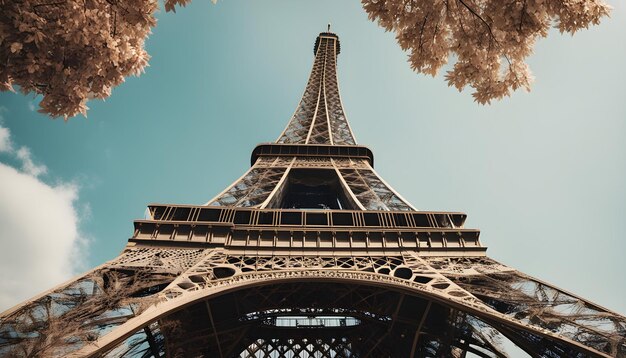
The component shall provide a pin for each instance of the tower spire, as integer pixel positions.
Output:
(320, 117)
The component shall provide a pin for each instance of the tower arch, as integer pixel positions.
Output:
(203, 309)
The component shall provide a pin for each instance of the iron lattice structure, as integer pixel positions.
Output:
(309, 254)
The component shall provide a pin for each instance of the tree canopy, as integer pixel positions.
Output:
(70, 51)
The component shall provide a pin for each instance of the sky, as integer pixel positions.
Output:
(541, 174)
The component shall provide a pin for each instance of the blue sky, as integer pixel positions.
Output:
(541, 174)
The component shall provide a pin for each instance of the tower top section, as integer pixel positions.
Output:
(327, 34)
(320, 117)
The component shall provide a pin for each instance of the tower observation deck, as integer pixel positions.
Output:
(310, 253)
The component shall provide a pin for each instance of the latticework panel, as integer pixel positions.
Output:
(409, 269)
(299, 348)
(298, 127)
(255, 187)
(274, 162)
(340, 129)
(320, 129)
(251, 190)
(266, 162)
(170, 260)
(536, 303)
(319, 117)
(311, 162)
(341, 163)
(66, 319)
(371, 191)
(145, 343)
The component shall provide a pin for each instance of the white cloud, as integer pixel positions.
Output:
(40, 240)
(23, 154)
(28, 166)
(5, 140)
(5, 135)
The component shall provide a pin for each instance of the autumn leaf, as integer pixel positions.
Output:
(16, 47)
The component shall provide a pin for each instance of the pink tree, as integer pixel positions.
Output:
(70, 51)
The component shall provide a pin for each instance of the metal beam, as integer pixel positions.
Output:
(419, 328)
(217, 340)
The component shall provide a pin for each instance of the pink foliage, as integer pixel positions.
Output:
(70, 51)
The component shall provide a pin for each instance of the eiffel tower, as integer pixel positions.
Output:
(309, 254)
